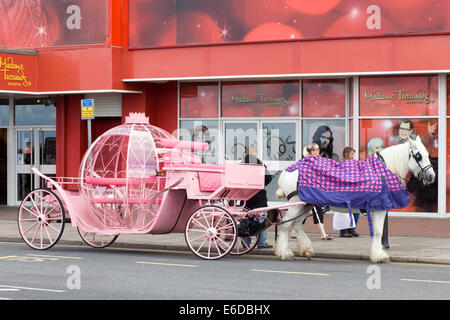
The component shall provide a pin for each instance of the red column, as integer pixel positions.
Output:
(71, 135)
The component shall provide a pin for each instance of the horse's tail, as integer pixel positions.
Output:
(280, 193)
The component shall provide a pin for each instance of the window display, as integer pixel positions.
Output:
(279, 141)
(323, 98)
(199, 100)
(448, 165)
(204, 131)
(260, 99)
(238, 136)
(376, 134)
(4, 113)
(398, 96)
(328, 134)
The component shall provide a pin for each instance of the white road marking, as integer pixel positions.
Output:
(34, 289)
(9, 289)
(168, 264)
(57, 257)
(429, 281)
(293, 272)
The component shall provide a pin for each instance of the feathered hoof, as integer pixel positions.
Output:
(287, 255)
(307, 253)
(385, 259)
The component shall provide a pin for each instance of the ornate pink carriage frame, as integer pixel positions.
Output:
(137, 178)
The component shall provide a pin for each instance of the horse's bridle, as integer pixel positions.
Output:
(418, 157)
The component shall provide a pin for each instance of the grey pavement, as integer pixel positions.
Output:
(417, 240)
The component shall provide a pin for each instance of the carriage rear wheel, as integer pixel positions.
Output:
(96, 240)
(211, 232)
(41, 219)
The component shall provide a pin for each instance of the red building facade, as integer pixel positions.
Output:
(270, 70)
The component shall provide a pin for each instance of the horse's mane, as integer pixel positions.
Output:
(396, 158)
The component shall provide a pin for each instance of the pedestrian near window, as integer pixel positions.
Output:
(313, 149)
(348, 154)
(259, 200)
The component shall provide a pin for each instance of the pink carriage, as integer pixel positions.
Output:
(137, 178)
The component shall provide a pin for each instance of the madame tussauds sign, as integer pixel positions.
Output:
(262, 99)
(420, 96)
(13, 73)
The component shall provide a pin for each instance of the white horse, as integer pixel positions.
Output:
(401, 159)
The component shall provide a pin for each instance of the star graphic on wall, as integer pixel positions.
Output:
(41, 32)
(223, 33)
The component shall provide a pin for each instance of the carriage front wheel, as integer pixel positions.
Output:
(211, 232)
(41, 219)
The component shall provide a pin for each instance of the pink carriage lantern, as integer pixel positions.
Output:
(120, 173)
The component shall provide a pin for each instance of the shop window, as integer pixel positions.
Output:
(323, 98)
(4, 112)
(238, 137)
(199, 100)
(34, 112)
(448, 165)
(3, 165)
(376, 134)
(279, 141)
(260, 99)
(204, 131)
(328, 134)
(398, 96)
(448, 95)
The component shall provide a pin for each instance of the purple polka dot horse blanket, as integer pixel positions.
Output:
(367, 184)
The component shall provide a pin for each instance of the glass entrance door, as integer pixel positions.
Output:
(279, 150)
(3, 165)
(276, 142)
(35, 147)
(239, 135)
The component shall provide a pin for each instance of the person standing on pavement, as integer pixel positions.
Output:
(313, 149)
(348, 154)
(259, 200)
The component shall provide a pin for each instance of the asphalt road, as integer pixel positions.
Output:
(73, 273)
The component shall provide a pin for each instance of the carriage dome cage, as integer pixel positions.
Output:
(121, 173)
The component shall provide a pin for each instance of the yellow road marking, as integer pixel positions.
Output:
(168, 264)
(293, 272)
(37, 258)
(429, 281)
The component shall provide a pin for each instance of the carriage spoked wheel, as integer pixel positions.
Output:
(211, 232)
(97, 240)
(41, 219)
(244, 244)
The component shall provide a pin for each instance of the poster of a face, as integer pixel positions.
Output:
(377, 134)
(328, 134)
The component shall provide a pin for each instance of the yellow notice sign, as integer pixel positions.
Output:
(87, 113)
(87, 109)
